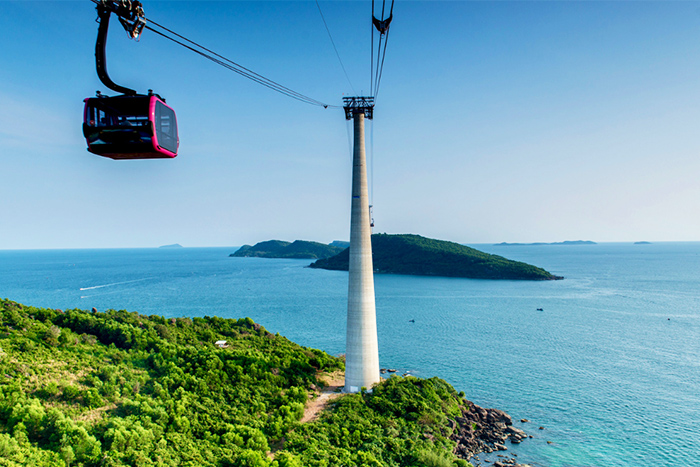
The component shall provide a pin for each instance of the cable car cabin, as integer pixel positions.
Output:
(130, 127)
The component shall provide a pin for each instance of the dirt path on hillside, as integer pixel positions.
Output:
(334, 385)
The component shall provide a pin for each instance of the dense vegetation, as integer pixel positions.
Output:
(117, 388)
(299, 249)
(416, 255)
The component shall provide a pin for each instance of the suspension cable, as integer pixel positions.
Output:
(335, 48)
(371, 162)
(371, 53)
(229, 64)
(384, 29)
(235, 67)
(381, 68)
(379, 57)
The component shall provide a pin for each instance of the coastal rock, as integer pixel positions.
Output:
(515, 432)
(507, 462)
(499, 416)
(480, 430)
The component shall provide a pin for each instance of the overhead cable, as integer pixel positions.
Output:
(382, 25)
(236, 68)
(229, 64)
(335, 48)
(381, 68)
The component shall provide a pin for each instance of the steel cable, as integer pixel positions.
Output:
(335, 48)
(231, 65)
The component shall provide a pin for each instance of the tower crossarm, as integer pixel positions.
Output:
(357, 105)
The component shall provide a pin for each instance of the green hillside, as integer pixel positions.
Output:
(416, 255)
(300, 249)
(117, 388)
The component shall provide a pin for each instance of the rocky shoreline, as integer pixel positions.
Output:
(479, 430)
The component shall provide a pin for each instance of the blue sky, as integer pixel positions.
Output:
(496, 121)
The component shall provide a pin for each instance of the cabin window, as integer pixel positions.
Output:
(118, 112)
(166, 127)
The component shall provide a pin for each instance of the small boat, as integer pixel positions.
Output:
(540, 309)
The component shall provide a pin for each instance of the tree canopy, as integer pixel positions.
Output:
(416, 255)
(117, 388)
(299, 249)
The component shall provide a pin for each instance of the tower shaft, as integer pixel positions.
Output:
(362, 353)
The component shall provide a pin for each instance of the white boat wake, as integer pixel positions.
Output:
(114, 283)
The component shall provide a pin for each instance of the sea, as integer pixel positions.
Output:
(604, 364)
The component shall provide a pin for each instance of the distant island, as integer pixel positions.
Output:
(416, 255)
(300, 249)
(174, 245)
(642, 243)
(567, 242)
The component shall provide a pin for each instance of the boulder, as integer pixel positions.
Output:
(479, 430)
(515, 432)
(499, 416)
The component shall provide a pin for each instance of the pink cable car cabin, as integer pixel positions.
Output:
(130, 127)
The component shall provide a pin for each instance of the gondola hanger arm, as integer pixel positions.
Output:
(131, 16)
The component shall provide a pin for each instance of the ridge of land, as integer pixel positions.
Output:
(566, 242)
(299, 249)
(415, 255)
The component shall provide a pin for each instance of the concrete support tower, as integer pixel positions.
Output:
(362, 353)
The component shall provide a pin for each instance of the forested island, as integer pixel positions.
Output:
(116, 388)
(416, 255)
(299, 249)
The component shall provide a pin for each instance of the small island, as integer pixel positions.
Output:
(566, 242)
(642, 243)
(174, 245)
(300, 249)
(416, 255)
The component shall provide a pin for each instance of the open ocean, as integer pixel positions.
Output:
(610, 368)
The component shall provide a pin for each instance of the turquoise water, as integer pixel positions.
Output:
(610, 367)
